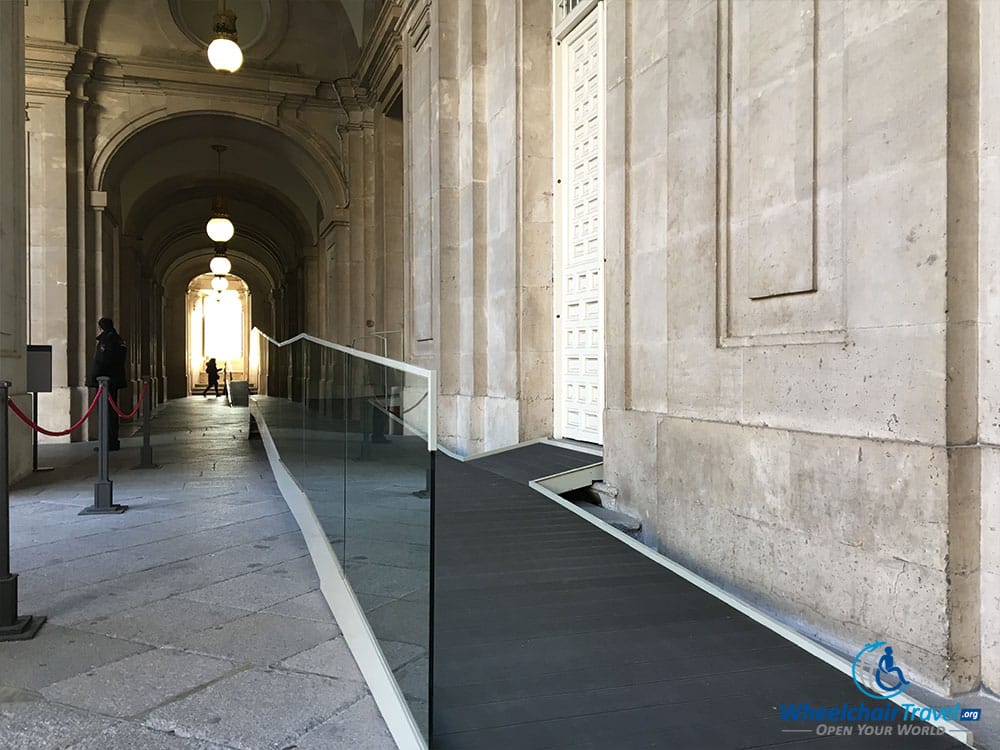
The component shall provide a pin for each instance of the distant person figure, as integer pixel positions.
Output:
(213, 378)
(109, 361)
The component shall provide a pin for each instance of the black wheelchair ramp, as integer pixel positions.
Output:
(549, 633)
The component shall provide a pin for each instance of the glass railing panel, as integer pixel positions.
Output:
(353, 430)
(322, 473)
(387, 528)
(283, 416)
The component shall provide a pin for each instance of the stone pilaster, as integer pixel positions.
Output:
(372, 313)
(13, 211)
(534, 228)
(46, 67)
(962, 349)
(356, 269)
(340, 310)
(81, 322)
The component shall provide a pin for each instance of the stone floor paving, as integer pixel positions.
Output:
(192, 621)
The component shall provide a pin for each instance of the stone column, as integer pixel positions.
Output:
(326, 266)
(272, 359)
(161, 369)
(80, 323)
(339, 308)
(280, 313)
(12, 221)
(371, 314)
(46, 67)
(98, 201)
(448, 219)
(389, 223)
(534, 227)
(341, 321)
(966, 118)
(502, 353)
(147, 336)
(356, 273)
(312, 283)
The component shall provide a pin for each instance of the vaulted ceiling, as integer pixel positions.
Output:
(163, 177)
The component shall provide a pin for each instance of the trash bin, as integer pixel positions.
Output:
(239, 393)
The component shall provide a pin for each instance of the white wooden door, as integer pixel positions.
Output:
(580, 261)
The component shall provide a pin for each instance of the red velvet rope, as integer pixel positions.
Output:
(135, 411)
(53, 433)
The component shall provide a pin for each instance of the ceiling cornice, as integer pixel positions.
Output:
(380, 66)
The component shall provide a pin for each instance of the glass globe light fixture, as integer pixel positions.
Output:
(219, 228)
(224, 53)
(220, 265)
(220, 283)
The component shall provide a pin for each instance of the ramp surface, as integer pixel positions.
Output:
(549, 633)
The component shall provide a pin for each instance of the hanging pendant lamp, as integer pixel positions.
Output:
(219, 228)
(224, 53)
(220, 264)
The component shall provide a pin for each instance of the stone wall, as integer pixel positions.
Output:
(477, 227)
(777, 401)
(782, 190)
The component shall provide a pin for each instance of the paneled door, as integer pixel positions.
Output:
(579, 326)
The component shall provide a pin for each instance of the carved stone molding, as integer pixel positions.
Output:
(381, 65)
(780, 172)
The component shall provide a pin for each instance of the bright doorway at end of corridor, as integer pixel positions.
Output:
(218, 326)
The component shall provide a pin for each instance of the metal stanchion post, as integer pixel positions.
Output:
(103, 490)
(34, 437)
(146, 452)
(12, 627)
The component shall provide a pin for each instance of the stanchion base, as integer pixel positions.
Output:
(93, 510)
(23, 629)
(146, 458)
(44, 468)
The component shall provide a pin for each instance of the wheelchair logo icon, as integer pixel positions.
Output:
(876, 673)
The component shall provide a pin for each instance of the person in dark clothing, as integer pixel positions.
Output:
(213, 378)
(109, 361)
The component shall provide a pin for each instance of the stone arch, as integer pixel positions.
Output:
(270, 202)
(327, 179)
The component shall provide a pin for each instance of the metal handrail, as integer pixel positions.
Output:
(431, 375)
